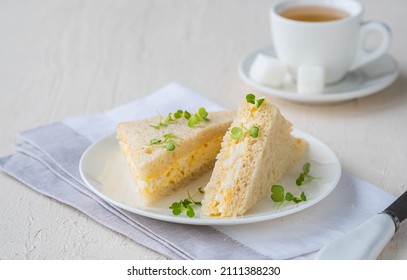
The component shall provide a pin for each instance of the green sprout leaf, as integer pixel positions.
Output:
(156, 126)
(193, 121)
(289, 196)
(200, 116)
(178, 114)
(163, 123)
(190, 211)
(168, 143)
(155, 141)
(304, 176)
(169, 136)
(168, 119)
(203, 114)
(187, 115)
(176, 208)
(186, 205)
(236, 133)
(259, 102)
(159, 124)
(186, 202)
(306, 168)
(277, 193)
(254, 131)
(251, 98)
(300, 179)
(303, 197)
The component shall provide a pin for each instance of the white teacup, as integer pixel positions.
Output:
(336, 41)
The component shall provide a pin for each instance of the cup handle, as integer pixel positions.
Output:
(363, 55)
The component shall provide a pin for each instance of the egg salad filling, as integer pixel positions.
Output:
(163, 181)
(232, 164)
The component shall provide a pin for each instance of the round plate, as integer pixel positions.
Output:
(106, 173)
(364, 81)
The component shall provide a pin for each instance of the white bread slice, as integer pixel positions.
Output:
(158, 172)
(246, 169)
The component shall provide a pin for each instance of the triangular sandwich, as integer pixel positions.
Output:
(256, 151)
(164, 154)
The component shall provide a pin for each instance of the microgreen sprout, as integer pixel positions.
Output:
(155, 141)
(304, 176)
(236, 133)
(163, 123)
(168, 142)
(170, 145)
(254, 131)
(187, 115)
(200, 116)
(251, 98)
(278, 194)
(178, 114)
(159, 124)
(186, 205)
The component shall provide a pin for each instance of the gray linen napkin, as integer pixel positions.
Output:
(47, 160)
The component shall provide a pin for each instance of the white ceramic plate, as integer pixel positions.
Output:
(366, 80)
(105, 172)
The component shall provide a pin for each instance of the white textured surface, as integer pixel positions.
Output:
(63, 58)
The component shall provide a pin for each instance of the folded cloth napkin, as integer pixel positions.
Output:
(47, 160)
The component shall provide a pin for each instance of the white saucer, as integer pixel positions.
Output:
(366, 80)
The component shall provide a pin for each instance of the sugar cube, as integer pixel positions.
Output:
(310, 79)
(267, 70)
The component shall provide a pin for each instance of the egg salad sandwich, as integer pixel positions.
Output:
(164, 154)
(256, 151)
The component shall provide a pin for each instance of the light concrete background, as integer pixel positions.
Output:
(66, 58)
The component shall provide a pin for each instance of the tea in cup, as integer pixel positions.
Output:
(327, 34)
